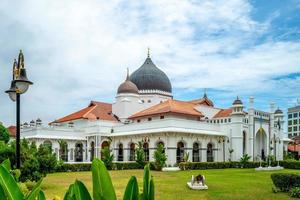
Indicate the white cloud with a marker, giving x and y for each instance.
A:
(77, 51)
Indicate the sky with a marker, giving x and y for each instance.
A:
(78, 51)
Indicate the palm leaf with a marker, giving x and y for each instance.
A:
(146, 185)
(80, 191)
(102, 186)
(9, 185)
(41, 195)
(6, 164)
(132, 190)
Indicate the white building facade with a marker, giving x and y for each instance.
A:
(144, 110)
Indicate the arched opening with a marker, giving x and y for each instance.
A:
(196, 152)
(146, 150)
(244, 142)
(180, 152)
(209, 153)
(48, 144)
(63, 150)
(78, 152)
(92, 150)
(261, 144)
(162, 144)
(132, 152)
(104, 144)
(120, 152)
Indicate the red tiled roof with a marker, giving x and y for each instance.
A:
(294, 148)
(12, 131)
(202, 101)
(170, 106)
(223, 113)
(95, 110)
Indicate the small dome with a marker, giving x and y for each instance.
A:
(237, 102)
(38, 120)
(150, 77)
(278, 111)
(128, 87)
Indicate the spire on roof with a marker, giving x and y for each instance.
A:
(148, 54)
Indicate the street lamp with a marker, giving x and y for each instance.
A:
(19, 85)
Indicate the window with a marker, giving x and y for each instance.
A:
(290, 129)
(149, 119)
(290, 122)
(295, 121)
(295, 128)
(295, 115)
(290, 116)
(149, 101)
(229, 120)
(225, 120)
(218, 121)
(290, 135)
(221, 120)
(138, 121)
(295, 134)
(143, 101)
(162, 117)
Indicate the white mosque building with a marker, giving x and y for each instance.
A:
(144, 110)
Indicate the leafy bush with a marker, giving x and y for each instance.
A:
(295, 192)
(47, 160)
(140, 154)
(218, 165)
(284, 182)
(245, 159)
(4, 134)
(107, 158)
(160, 157)
(290, 164)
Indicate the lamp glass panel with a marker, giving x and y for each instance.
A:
(22, 86)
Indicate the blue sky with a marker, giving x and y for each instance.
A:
(78, 51)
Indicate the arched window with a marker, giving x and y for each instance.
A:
(120, 152)
(146, 151)
(196, 152)
(180, 152)
(244, 143)
(92, 150)
(48, 144)
(78, 152)
(209, 153)
(132, 152)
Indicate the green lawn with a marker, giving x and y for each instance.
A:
(224, 184)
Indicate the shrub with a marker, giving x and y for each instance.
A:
(218, 165)
(245, 159)
(107, 158)
(290, 164)
(4, 134)
(46, 159)
(140, 154)
(285, 182)
(160, 157)
(295, 192)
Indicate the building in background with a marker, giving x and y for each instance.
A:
(293, 121)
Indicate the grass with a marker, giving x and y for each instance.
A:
(223, 184)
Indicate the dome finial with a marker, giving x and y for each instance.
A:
(205, 94)
(148, 54)
(127, 76)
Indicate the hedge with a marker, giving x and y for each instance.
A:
(235, 164)
(285, 182)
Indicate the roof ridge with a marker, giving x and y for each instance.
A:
(88, 112)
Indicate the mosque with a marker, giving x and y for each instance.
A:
(144, 110)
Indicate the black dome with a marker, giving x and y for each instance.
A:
(149, 77)
(278, 111)
(237, 102)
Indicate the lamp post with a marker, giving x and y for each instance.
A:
(19, 85)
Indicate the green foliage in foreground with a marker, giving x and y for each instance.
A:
(4, 134)
(102, 186)
(160, 157)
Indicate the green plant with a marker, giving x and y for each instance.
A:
(103, 188)
(186, 157)
(47, 160)
(140, 154)
(230, 153)
(284, 182)
(245, 159)
(107, 158)
(160, 157)
(4, 134)
(9, 188)
(295, 192)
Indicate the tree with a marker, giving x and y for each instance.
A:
(140, 154)
(4, 134)
(107, 157)
(160, 157)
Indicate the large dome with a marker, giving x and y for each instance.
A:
(149, 77)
